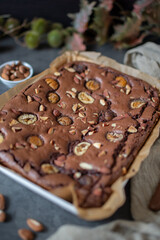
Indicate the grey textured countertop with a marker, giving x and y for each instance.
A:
(21, 202)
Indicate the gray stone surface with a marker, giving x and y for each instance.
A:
(22, 203)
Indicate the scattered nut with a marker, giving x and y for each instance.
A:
(132, 129)
(13, 122)
(92, 85)
(2, 202)
(27, 167)
(77, 175)
(41, 108)
(53, 97)
(71, 94)
(85, 98)
(57, 74)
(77, 107)
(109, 115)
(2, 216)
(35, 225)
(102, 153)
(52, 83)
(1, 138)
(51, 130)
(137, 103)
(43, 118)
(48, 168)
(114, 137)
(72, 131)
(56, 113)
(64, 121)
(27, 118)
(81, 148)
(16, 129)
(97, 145)
(84, 132)
(86, 166)
(121, 82)
(36, 91)
(25, 234)
(102, 102)
(128, 89)
(70, 69)
(29, 99)
(35, 141)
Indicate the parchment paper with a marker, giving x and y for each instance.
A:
(118, 196)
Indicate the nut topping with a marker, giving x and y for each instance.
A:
(13, 122)
(137, 103)
(29, 99)
(41, 108)
(132, 129)
(48, 168)
(85, 98)
(71, 94)
(86, 166)
(57, 74)
(16, 129)
(64, 121)
(81, 148)
(1, 138)
(35, 141)
(114, 137)
(121, 82)
(97, 145)
(92, 85)
(102, 102)
(53, 97)
(27, 118)
(52, 83)
(128, 89)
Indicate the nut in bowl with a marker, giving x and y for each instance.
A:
(14, 72)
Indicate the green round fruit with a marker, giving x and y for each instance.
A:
(11, 23)
(39, 25)
(32, 39)
(55, 38)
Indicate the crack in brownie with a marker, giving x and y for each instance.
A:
(84, 125)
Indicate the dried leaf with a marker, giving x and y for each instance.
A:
(139, 6)
(75, 43)
(129, 30)
(131, 42)
(81, 19)
(108, 4)
(101, 23)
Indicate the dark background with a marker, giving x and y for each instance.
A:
(55, 10)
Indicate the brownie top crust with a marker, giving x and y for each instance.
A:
(84, 125)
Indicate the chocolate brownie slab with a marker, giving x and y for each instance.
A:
(82, 125)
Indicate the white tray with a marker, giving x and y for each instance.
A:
(39, 190)
(42, 192)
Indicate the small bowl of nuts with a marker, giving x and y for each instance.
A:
(14, 72)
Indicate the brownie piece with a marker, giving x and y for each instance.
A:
(82, 125)
(154, 204)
